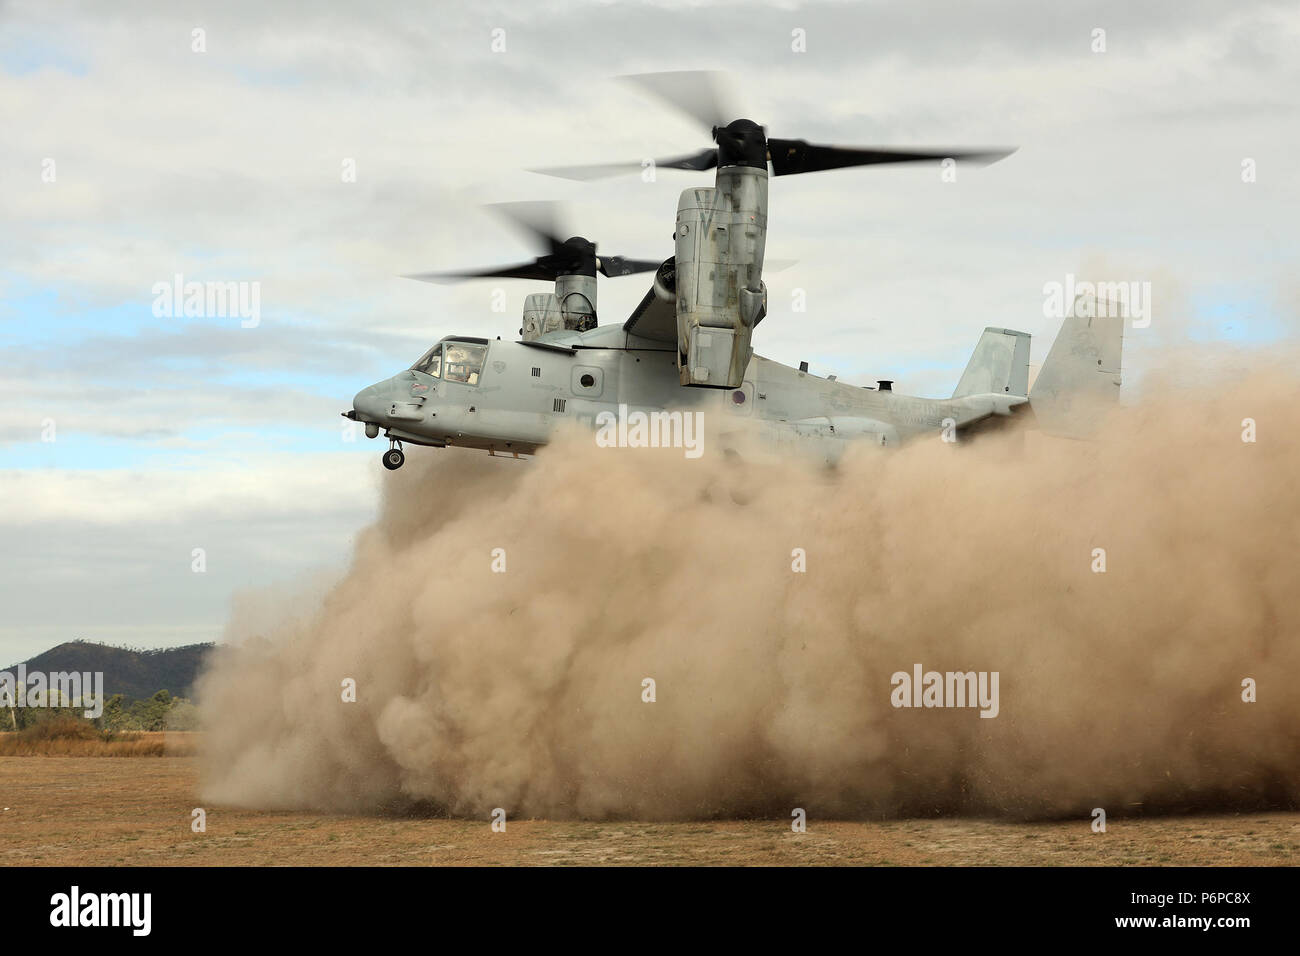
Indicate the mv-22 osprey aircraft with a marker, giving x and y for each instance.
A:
(687, 344)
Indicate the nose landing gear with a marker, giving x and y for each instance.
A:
(393, 458)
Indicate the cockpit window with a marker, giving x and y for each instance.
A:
(463, 362)
(431, 362)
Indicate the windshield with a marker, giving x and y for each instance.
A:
(431, 362)
(463, 362)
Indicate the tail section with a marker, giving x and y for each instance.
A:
(999, 365)
(1080, 380)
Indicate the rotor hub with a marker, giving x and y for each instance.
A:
(741, 142)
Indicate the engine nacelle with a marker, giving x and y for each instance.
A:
(576, 295)
(721, 236)
(665, 284)
(541, 315)
(570, 307)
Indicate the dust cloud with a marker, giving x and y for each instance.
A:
(523, 690)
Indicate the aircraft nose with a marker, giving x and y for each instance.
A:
(371, 404)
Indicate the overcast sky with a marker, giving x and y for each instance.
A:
(128, 157)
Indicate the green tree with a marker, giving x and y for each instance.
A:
(154, 715)
(114, 718)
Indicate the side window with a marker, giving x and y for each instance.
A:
(741, 400)
(463, 362)
(587, 380)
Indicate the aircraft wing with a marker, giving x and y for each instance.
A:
(653, 319)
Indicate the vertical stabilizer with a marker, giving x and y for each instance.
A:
(998, 366)
(1079, 382)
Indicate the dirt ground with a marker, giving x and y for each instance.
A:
(89, 811)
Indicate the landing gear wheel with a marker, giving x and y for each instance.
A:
(393, 459)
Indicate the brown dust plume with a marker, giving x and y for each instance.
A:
(524, 689)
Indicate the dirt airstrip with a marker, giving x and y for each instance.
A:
(93, 811)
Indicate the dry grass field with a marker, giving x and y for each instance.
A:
(143, 744)
(86, 811)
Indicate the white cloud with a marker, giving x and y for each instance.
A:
(227, 165)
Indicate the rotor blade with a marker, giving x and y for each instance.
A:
(704, 159)
(524, 270)
(791, 156)
(540, 219)
(615, 266)
(703, 95)
(584, 173)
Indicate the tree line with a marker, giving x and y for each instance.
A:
(121, 714)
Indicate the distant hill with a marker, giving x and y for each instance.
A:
(135, 674)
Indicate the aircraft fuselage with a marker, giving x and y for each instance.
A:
(524, 391)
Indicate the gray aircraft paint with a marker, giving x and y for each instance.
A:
(526, 390)
(687, 344)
